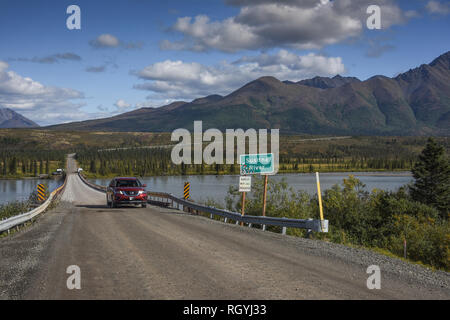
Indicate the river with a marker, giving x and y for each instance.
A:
(216, 187)
(21, 189)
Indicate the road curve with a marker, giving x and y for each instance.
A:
(155, 253)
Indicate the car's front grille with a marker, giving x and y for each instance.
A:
(131, 193)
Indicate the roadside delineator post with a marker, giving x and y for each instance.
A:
(41, 194)
(187, 187)
(319, 194)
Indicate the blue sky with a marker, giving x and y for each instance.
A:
(143, 53)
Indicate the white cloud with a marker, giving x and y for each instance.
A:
(300, 24)
(105, 41)
(188, 80)
(3, 66)
(436, 7)
(122, 105)
(43, 104)
(154, 103)
(54, 58)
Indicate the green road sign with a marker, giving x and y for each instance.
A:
(257, 163)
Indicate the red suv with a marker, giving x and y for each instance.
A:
(126, 191)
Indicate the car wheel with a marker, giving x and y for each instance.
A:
(113, 204)
(144, 205)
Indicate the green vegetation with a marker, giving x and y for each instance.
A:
(116, 153)
(13, 208)
(432, 175)
(297, 155)
(19, 164)
(379, 220)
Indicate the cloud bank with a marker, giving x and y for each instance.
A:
(189, 80)
(299, 24)
(43, 104)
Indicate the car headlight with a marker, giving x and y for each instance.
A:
(140, 192)
(120, 192)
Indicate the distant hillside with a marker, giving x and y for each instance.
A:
(11, 119)
(416, 102)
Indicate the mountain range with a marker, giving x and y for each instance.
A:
(416, 102)
(11, 119)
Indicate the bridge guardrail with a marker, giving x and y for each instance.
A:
(308, 224)
(92, 185)
(27, 216)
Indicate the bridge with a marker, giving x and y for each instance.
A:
(164, 253)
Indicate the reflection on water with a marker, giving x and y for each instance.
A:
(216, 187)
(20, 190)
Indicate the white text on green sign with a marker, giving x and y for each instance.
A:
(257, 163)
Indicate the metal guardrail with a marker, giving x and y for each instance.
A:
(310, 224)
(92, 185)
(27, 216)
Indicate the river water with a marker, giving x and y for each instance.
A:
(20, 190)
(216, 187)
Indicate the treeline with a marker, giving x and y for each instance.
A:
(324, 164)
(157, 161)
(142, 162)
(139, 162)
(356, 154)
(29, 163)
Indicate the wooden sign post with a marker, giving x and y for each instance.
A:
(245, 184)
(266, 177)
(243, 207)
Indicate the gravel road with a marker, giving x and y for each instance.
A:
(156, 253)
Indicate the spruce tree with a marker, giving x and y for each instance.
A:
(92, 167)
(432, 178)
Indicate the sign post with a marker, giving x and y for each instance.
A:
(266, 177)
(258, 164)
(243, 207)
(319, 194)
(245, 185)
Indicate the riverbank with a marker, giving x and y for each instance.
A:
(19, 177)
(381, 173)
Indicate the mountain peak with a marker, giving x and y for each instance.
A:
(11, 119)
(269, 80)
(443, 61)
(327, 83)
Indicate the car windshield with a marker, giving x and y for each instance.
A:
(128, 183)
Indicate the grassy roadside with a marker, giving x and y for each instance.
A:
(14, 208)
